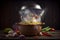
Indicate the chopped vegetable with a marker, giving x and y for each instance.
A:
(46, 29)
(6, 30)
(52, 29)
(46, 34)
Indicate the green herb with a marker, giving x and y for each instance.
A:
(46, 29)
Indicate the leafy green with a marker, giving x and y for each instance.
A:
(6, 30)
(46, 29)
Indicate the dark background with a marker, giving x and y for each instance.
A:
(9, 12)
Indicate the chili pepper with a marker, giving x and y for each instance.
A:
(46, 34)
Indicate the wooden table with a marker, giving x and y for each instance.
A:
(56, 35)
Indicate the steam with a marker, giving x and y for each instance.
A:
(27, 15)
(42, 13)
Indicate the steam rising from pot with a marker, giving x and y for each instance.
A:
(31, 14)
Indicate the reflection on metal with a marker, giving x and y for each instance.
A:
(37, 6)
(23, 7)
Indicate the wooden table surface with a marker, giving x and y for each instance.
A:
(55, 35)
